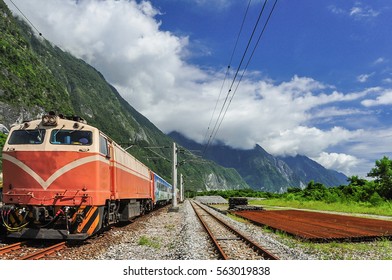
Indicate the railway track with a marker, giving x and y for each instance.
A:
(230, 243)
(23, 251)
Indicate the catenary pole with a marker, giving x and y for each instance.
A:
(174, 201)
(181, 188)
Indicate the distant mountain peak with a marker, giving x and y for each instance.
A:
(263, 171)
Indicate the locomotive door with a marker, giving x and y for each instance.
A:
(113, 193)
(106, 150)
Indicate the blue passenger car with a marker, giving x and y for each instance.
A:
(163, 191)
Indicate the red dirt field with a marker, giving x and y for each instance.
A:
(320, 227)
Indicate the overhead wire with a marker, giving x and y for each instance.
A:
(247, 64)
(214, 131)
(32, 25)
(227, 70)
(219, 119)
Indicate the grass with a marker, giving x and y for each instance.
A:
(378, 249)
(384, 209)
(146, 241)
(237, 218)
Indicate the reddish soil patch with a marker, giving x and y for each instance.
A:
(320, 227)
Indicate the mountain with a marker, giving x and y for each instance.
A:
(36, 77)
(307, 170)
(263, 171)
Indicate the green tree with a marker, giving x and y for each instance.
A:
(356, 181)
(383, 176)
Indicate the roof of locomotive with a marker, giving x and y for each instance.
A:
(54, 121)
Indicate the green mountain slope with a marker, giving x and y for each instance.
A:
(36, 77)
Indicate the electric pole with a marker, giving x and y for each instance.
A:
(174, 200)
(181, 188)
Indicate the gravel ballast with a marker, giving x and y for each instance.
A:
(178, 235)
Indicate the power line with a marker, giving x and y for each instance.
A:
(219, 120)
(32, 25)
(227, 71)
(247, 64)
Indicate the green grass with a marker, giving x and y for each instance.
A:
(150, 242)
(237, 218)
(384, 209)
(379, 249)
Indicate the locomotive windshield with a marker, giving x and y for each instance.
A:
(27, 136)
(71, 137)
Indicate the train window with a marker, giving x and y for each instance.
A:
(27, 136)
(103, 146)
(71, 137)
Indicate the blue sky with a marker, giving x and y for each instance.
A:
(319, 83)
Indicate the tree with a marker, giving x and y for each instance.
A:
(383, 176)
(356, 181)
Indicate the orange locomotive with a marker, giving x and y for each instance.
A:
(65, 179)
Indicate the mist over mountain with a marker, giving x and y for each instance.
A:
(263, 171)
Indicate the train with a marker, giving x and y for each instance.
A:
(64, 179)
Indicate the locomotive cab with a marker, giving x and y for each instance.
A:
(52, 170)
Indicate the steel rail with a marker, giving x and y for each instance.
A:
(257, 248)
(213, 239)
(45, 252)
(12, 247)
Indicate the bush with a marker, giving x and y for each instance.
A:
(376, 199)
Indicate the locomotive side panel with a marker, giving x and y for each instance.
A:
(132, 178)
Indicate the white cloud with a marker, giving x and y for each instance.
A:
(364, 77)
(336, 10)
(307, 140)
(385, 98)
(338, 161)
(387, 80)
(331, 112)
(360, 12)
(380, 60)
(357, 12)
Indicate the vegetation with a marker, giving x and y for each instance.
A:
(150, 242)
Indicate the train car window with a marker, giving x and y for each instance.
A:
(71, 137)
(103, 146)
(27, 136)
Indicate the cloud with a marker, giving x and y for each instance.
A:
(380, 60)
(387, 80)
(364, 77)
(385, 98)
(307, 140)
(336, 10)
(357, 12)
(338, 161)
(361, 12)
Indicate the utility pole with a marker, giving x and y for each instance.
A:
(181, 188)
(174, 200)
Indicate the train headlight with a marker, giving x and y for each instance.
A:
(50, 120)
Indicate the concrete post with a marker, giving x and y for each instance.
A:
(174, 200)
(181, 188)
